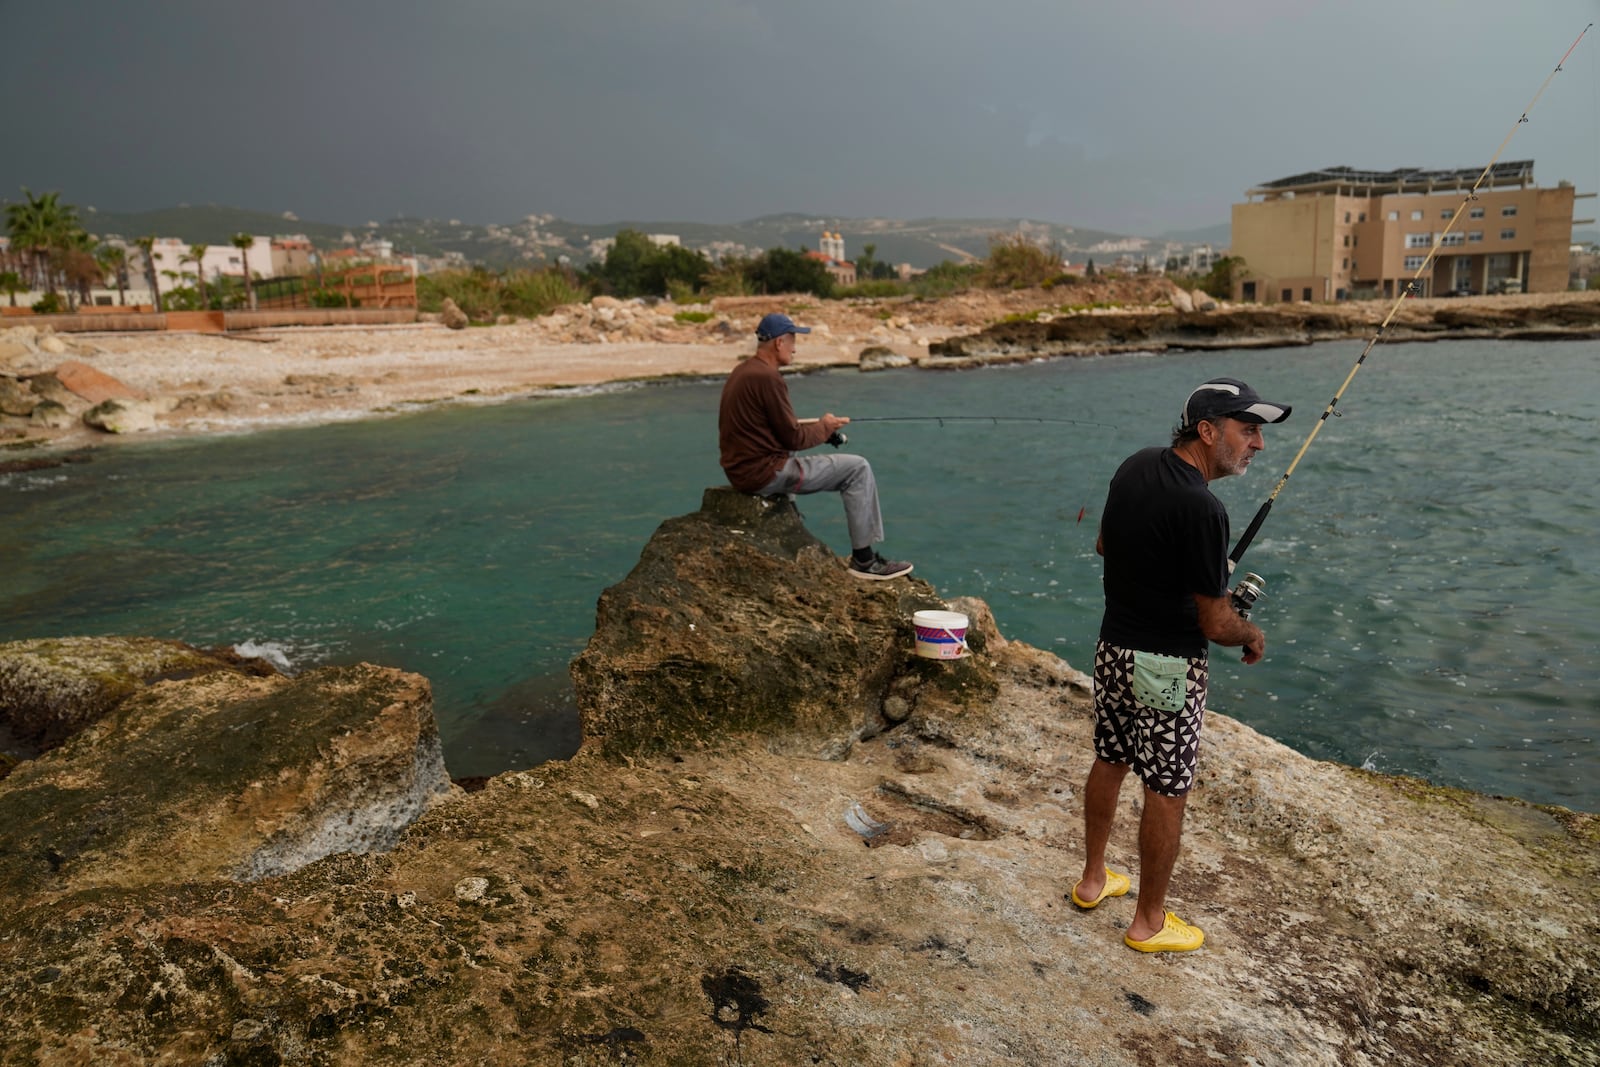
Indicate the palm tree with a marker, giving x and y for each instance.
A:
(39, 225)
(243, 241)
(114, 258)
(196, 254)
(147, 245)
(11, 282)
(79, 266)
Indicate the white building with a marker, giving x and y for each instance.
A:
(172, 261)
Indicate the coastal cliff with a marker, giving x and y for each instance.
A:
(786, 840)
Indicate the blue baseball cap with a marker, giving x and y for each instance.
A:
(776, 325)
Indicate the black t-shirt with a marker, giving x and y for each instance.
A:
(1166, 539)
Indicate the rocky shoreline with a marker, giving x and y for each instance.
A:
(67, 392)
(695, 886)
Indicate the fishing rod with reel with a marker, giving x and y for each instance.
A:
(1250, 586)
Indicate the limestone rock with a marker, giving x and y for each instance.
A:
(451, 315)
(735, 900)
(52, 688)
(16, 398)
(1202, 300)
(51, 415)
(1180, 299)
(761, 630)
(52, 344)
(93, 385)
(124, 416)
(49, 387)
(878, 357)
(223, 776)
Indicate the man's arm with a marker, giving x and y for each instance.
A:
(1220, 623)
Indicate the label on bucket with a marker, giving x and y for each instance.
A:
(940, 634)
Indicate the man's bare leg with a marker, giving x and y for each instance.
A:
(1099, 812)
(1160, 830)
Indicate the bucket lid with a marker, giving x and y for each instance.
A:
(950, 619)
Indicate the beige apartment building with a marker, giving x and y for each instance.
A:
(1341, 233)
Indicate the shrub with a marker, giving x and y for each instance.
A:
(331, 298)
(944, 279)
(692, 316)
(729, 280)
(48, 304)
(538, 292)
(1016, 262)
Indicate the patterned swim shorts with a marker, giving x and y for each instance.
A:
(1160, 745)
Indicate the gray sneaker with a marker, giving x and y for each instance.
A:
(879, 570)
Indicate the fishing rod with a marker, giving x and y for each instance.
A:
(1250, 585)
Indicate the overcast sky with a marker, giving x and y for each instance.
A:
(1136, 116)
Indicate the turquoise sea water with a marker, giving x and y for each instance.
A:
(1432, 571)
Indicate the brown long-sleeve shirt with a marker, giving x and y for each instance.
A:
(756, 427)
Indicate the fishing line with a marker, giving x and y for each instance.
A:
(942, 419)
(1411, 288)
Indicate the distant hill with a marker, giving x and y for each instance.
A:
(1219, 236)
(538, 240)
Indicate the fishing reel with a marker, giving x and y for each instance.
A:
(837, 439)
(1246, 593)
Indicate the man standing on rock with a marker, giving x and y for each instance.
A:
(1164, 537)
(758, 434)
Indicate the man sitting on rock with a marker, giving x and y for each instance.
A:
(758, 434)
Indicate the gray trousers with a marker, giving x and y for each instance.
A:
(850, 476)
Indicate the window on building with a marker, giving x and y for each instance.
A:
(1346, 262)
(1347, 240)
(1415, 262)
(1474, 236)
(1361, 217)
(1288, 295)
(1416, 216)
(1508, 235)
(1419, 240)
(1475, 213)
(1508, 211)
(1447, 214)
(1394, 216)
(1451, 239)
(1305, 294)
(1347, 216)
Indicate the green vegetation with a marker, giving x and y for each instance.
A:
(1218, 281)
(1017, 262)
(485, 295)
(1061, 309)
(637, 266)
(695, 317)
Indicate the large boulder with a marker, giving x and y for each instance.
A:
(52, 688)
(16, 398)
(452, 316)
(222, 775)
(737, 620)
(118, 415)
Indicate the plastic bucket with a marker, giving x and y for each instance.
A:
(940, 634)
